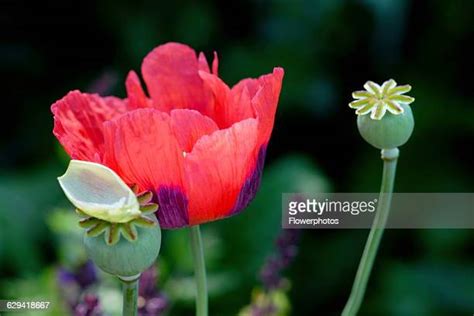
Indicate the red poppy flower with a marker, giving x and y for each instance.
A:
(196, 143)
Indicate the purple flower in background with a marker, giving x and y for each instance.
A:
(272, 299)
(151, 302)
(264, 310)
(88, 306)
(85, 275)
(287, 249)
(73, 286)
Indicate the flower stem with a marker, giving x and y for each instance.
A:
(389, 157)
(130, 297)
(199, 271)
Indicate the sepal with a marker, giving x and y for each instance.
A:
(114, 231)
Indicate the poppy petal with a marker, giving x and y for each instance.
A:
(189, 126)
(141, 147)
(251, 184)
(234, 105)
(135, 94)
(265, 102)
(217, 168)
(171, 75)
(239, 106)
(203, 65)
(78, 119)
(255, 98)
(220, 93)
(215, 65)
(251, 84)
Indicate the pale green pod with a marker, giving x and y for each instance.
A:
(125, 258)
(391, 131)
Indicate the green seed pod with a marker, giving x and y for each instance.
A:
(384, 118)
(109, 210)
(390, 131)
(125, 258)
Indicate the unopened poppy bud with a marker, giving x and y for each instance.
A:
(390, 123)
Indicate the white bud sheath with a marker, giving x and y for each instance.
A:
(99, 192)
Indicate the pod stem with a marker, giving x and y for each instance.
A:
(389, 157)
(130, 296)
(199, 271)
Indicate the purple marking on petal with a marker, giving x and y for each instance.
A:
(251, 185)
(173, 211)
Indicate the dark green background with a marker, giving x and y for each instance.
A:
(328, 49)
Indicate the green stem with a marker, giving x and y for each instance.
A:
(199, 271)
(130, 297)
(389, 157)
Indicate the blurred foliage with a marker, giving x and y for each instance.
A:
(328, 49)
